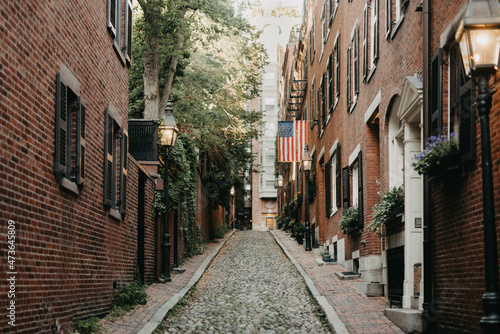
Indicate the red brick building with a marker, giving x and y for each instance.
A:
(78, 203)
(382, 77)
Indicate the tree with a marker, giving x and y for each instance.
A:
(164, 30)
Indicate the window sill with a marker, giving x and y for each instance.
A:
(115, 214)
(372, 70)
(396, 27)
(333, 212)
(353, 105)
(69, 186)
(118, 52)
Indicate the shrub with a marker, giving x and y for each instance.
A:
(299, 229)
(220, 232)
(89, 326)
(349, 218)
(383, 209)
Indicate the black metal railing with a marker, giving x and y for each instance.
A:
(143, 139)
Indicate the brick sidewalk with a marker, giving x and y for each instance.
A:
(359, 313)
(158, 294)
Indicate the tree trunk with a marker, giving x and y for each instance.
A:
(151, 86)
(172, 68)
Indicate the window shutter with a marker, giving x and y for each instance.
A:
(328, 188)
(331, 10)
(346, 188)
(330, 82)
(324, 93)
(436, 93)
(80, 142)
(61, 135)
(360, 191)
(108, 159)
(356, 60)
(318, 105)
(375, 31)
(123, 172)
(349, 88)
(365, 42)
(388, 18)
(112, 16)
(338, 183)
(128, 30)
(337, 68)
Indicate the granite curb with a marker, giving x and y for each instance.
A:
(331, 315)
(163, 310)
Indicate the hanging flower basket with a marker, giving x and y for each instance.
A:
(349, 222)
(439, 155)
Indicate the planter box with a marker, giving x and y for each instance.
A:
(396, 217)
(448, 170)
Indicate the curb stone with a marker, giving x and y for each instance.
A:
(331, 315)
(163, 310)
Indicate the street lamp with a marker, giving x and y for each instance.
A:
(306, 164)
(168, 135)
(280, 186)
(479, 38)
(232, 207)
(280, 181)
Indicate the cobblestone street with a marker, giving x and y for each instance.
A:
(251, 287)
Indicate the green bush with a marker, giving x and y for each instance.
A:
(299, 229)
(349, 219)
(131, 295)
(382, 210)
(220, 232)
(89, 326)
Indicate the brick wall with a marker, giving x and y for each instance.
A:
(69, 251)
(457, 213)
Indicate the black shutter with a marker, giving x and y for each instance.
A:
(388, 18)
(349, 71)
(436, 93)
(112, 16)
(80, 142)
(128, 30)
(338, 176)
(356, 60)
(123, 172)
(346, 188)
(108, 160)
(361, 219)
(61, 130)
(337, 68)
(328, 188)
(330, 82)
(375, 31)
(365, 42)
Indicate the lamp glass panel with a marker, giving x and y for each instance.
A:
(307, 164)
(485, 47)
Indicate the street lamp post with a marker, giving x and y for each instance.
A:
(479, 38)
(168, 134)
(306, 164)
(232, 192)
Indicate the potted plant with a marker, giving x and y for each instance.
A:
(440, 155)
(279, 222)
(326, 256)
(388, 210)
(349, 220)
(299, 231)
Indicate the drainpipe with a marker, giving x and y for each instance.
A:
(427, 315)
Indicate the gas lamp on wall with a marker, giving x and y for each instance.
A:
(479, 38)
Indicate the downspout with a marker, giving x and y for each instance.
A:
(428, 316)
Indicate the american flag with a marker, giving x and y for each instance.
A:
(292, 138)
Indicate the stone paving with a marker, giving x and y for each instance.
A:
(359, 313)
(158, 294)
(251, 287)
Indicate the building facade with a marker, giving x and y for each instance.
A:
(75, 207)
(383, 77)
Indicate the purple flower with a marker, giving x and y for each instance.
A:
(452, 135)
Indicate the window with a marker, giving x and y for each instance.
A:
(333, 5)
(270, 154)
(394, 15)
(115, 13)
(325, 26)
(313, 105)
(115, 164)
(69, 157)
(127, 47)
(323, 94)
(370, 38)
(463, 111)
(312, 40)
(356, 168)
(269, 79)
(353, 70)
(333, 68)
(332, 183)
